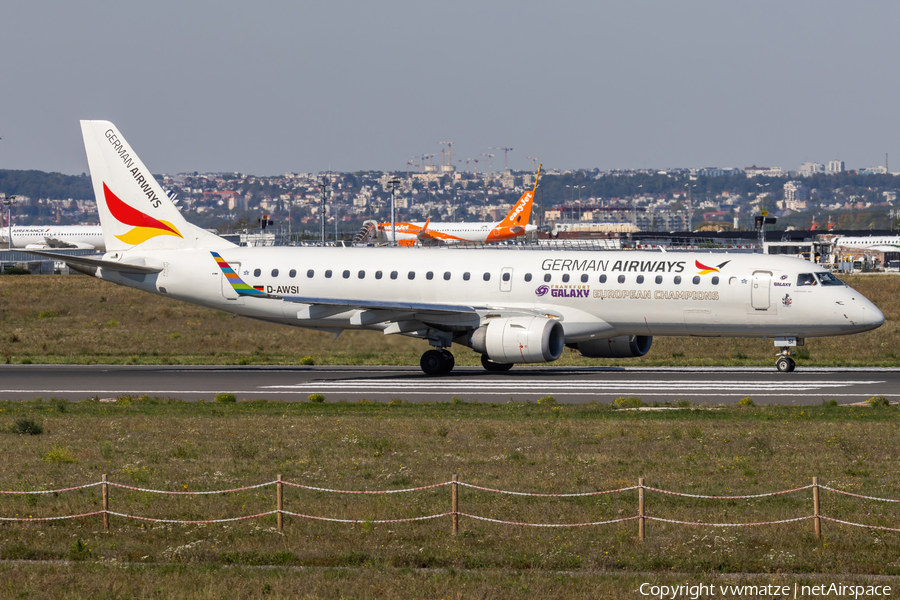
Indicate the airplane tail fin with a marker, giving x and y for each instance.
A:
(134, 209)
(520, 214)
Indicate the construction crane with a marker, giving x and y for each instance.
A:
(449, 154)
(409, 162)
(506, 152)
(475, 160)
(490, 162)
(535, 159)
(467, 161)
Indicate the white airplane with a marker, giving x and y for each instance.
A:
(512, 306)
(83, 237)
(513, 225)
(881, 243)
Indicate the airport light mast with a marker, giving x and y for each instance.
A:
(9, 201)
(393, 184)
(323, 186)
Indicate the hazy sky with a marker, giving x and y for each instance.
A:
(274, 86)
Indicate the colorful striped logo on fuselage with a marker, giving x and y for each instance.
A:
(236, 282)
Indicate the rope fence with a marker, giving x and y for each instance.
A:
(641, 517)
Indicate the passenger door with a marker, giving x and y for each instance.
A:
(759, 292)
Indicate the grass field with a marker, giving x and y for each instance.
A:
(78, 319)
(536, 447)
(530, 446)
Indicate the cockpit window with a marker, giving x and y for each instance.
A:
(806, 279)
(826, 278)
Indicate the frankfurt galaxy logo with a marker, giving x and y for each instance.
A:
(542, 290)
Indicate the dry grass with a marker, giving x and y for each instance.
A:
(76, 319)
(526, 447)
(93, 580)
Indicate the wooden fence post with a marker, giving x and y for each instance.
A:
(641, 508)
(279, 495)
(105, 490)
(817, 522)
(454, 503)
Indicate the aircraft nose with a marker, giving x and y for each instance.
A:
(872, 316)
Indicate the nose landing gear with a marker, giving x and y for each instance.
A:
(784, 363)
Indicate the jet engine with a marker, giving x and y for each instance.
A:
(623, 346)
(520, 340)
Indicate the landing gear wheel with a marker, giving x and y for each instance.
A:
(496, 367)
(451, 362)
(434, 362)
(785, 364)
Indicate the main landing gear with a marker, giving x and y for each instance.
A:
(437, 362)
(784, 363)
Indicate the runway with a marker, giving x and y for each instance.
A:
(707, 385)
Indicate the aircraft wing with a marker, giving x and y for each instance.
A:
(418, 307)
(84, 261)
(377, 311)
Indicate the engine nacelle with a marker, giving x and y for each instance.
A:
(520, 340)
(623, 346)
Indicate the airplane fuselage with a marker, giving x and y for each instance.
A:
(87, 237)
(592, 294)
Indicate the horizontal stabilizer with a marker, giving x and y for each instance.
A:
(110, 265)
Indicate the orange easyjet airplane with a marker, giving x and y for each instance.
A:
(514, 224)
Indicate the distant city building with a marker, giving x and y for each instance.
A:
(794, 190)
(755, 171)
(808, 169)
(835, 166)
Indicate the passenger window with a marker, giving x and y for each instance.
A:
(328, 274)
(378, 274)
(659, 279)
(292, 273)
(393, 274)
(310, 273)
(429, 275)
(527, 276)
(715, 281)
(257, 272)
(446, 275)
(621, 279)
(584, 278)
(678, 280)
(696, 280)
(274, 272)
(346, 274)
(640, 279)
(411, 275)
(466, 276)
(487, 276)
(566, 278)
(361, 274)
(603, 278)
(805, 279)
(506, 277)
(547, 278)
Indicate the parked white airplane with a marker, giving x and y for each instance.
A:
(512, 306)
(84, 237)
(881, 243)
(513, 225)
